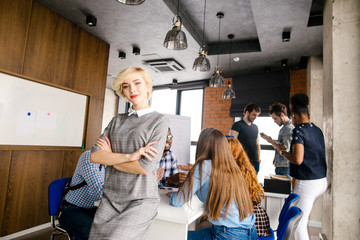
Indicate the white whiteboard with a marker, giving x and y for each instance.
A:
(36, 114)
(180, 128)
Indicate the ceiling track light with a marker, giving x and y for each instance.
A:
(284, 62)
(136, 51)
(202, 63)
(91, 20)
(131, 2)
(286, 36)
(175, 38)
(217, 80)
(122, 55)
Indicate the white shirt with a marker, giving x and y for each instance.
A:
(140, 112)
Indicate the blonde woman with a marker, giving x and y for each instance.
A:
(217, 181)
(262, 222)
(130, 193)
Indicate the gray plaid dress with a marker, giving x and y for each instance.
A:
(129, 202)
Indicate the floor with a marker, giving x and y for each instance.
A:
(45, 235)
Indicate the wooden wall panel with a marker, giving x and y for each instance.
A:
(51, 47)
(90, 73)
(91, 60)
(36, 42)
(14, 18)
(31, 172)
(5, 157)
(70, 161)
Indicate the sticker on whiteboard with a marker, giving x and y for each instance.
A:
(26, 124)
(45, 120)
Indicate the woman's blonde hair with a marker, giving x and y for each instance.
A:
(125, 74)
(226, 182)
(247, 169)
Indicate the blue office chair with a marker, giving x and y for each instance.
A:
(292, 198)
(287, 229)
(56, 190)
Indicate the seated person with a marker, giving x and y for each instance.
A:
(168, 163)
(78, 208)
(262, 222)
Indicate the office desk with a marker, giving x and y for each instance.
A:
(174, 222)
(273, 205)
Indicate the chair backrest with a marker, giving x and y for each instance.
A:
(56, 189)
(287, 229)
(292, 198)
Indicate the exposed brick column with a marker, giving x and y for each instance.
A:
(216, 112)
(298, 81)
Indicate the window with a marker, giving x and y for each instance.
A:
(269, 127)
(192, 106)
(185, 103)
(164, 101)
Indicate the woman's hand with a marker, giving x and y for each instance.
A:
(160, 173)
(144, 151)
(104, 144)
(185, 167)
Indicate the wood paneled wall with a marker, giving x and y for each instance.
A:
(38, 43)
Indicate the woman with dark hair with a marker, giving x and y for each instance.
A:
(307, 160)
(217, 181)
(262, 221)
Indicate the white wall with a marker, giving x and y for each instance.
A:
(109, 107)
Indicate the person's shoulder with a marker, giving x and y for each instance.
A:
(160, 117)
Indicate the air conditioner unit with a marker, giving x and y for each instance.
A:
(165, 65)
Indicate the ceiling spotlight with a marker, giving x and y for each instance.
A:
(174, 81)
(284, 62)
(131, 2)
(122, 55)
(236, 59)
(91, 20)
(136, 50)
(286, 36)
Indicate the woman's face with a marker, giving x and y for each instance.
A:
(136, 91)
(296, 119)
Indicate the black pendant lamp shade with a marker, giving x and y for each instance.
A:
(131, 2)
(217, 80)
(229, 92)
(175, 38)
(202, 63)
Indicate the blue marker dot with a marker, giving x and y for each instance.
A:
(29, 113)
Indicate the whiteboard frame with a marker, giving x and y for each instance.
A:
(85, 105)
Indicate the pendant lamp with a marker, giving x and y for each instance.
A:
(131, 2)
(217, 80)
(229, 92)
(202, 63)
(175, 38)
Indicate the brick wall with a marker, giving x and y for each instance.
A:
(216, 111)
(298, 82)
